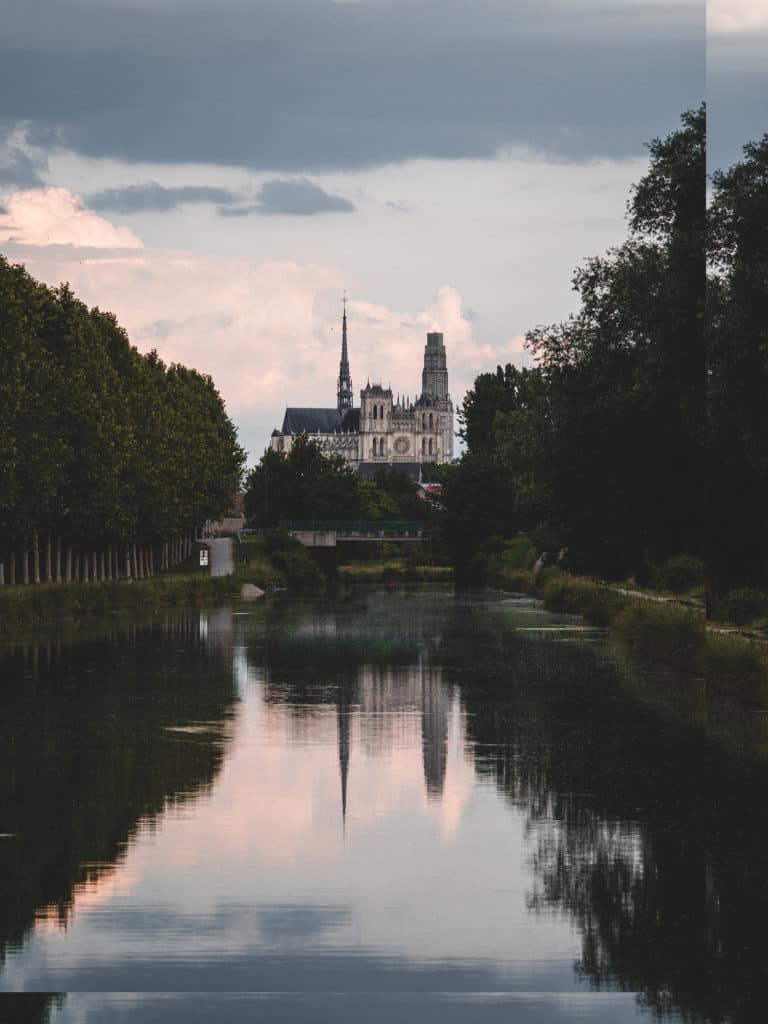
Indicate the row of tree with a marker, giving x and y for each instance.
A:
(307, 484)
(641, 431)
(108, 458)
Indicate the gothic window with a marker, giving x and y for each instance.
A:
(431, 427)
(423, 446)
(383, 446)
(430, 443)
(375, 411)
(381, 412)
(424, 421)
(375, 442)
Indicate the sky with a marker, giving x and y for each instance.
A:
(218, 175)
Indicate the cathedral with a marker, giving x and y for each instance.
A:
(381, 432)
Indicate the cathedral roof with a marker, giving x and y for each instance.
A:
(320, 421)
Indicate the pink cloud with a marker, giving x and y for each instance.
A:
(268, 331)
(54, 216)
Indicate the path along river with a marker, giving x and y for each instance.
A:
(391, 805)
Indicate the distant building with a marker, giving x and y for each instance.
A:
(382, 431)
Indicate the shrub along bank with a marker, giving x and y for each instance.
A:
(666, 633)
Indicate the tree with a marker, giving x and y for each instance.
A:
(304, 484)
(737, 373)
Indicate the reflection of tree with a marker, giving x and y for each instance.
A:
(650, 837)
(88, 751)
(28, 1007)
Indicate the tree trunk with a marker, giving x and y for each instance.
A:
(12, 569)
(2, 574)
(68, 564)
(86, 574)
(36, 557)
(58, 559)
(128, 562)
(25, 566)
(48, 559)
(109, 563)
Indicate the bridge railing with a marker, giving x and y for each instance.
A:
(360, 527)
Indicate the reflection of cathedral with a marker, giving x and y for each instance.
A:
(397, 708)
(383, 431)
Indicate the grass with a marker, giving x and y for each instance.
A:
(392, 571)
(44, 602)
(272, 562)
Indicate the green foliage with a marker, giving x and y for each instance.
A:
(308, 484)
(597, 603)
(742, 606)
(739, 667)
(737, 373)
(664, 633)
(304, 484)
(99, 444)
(292, 559)
(679, 574)
(599, 447)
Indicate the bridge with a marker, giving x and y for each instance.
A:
(316, 533)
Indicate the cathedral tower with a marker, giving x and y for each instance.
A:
(344, 396)
(434, 376)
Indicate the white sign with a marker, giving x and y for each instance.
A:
(203, 556)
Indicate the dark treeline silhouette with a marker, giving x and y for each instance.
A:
(306, 484)
(88, 753)
(108, 458)
(640, 433)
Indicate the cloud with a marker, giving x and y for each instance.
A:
(18, 167)
(737, 93)
(158, 198)
(302, 87)
(54, 216)
(295, 197)
(732, 16)
(267, 331)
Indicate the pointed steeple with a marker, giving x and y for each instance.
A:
(342, 720)
(344, 384)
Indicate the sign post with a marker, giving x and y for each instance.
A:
(203, 556)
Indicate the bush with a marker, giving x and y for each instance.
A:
(679, 574)
(742, 606)
(664, 633)
(546, 574)
(735, 663)
(518, 553)
(598, 604)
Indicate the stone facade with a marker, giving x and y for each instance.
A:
(383, 431)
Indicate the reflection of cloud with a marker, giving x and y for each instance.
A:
(286, 925)
(109, 881)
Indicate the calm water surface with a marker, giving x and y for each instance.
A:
(394, 805)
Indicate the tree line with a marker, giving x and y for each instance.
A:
(307, 484)
(640, 432)
(108, 458)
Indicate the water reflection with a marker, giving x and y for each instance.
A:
(402, 793)
(88, 758)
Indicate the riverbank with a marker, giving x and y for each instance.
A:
(271, 563)
(672, 634)
(394, 571)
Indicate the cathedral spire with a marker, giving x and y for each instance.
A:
(344, 384)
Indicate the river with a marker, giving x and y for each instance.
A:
(387, 805)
